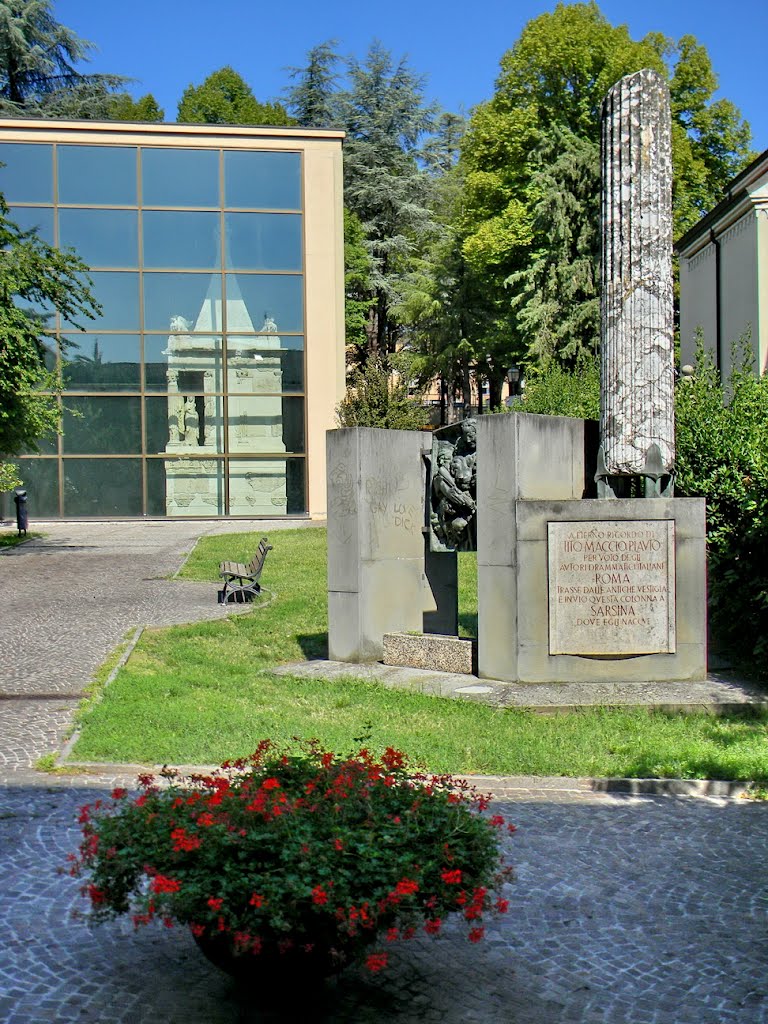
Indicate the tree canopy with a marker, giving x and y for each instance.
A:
(38, 57)
(530, 165)
(34, 278)
(226, 98)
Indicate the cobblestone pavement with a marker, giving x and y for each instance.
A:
(626, 909)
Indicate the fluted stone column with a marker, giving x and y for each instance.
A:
(637, 384)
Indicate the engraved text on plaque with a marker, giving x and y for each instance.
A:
(612, 587)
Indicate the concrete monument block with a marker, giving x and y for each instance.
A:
(637, 320)
(519, 456)
(376, 580)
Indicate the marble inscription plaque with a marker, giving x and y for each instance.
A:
(612, 587)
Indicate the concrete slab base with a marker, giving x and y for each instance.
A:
(717, 693)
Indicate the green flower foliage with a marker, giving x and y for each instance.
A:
(296, 851)
(722, 455)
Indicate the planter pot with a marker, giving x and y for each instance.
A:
(270, 968)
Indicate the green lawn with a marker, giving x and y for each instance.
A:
(203, 693)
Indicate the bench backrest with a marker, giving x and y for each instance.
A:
(257, 562)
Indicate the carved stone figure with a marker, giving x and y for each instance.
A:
(191, 422)
(453, 488)
(180, 323)
(637, 377)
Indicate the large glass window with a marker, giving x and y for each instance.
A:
(185, 424)
(273, 302)
(182, 239)
(108, 362)
(168, 357)
(97, 175)
(102, 238)
(266, 423)
(102, 487)
(185, 487)
(28, 173)
(34, 218)
(182, 303)
(154, 421)
(263, 241)
(266, 181)
(41, 482)
(102, 426)
(118, 295)
(180, 177)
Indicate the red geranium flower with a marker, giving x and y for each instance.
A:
(376, 962)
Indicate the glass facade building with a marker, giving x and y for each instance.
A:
(206, 381)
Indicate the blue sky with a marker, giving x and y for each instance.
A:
(168, 44)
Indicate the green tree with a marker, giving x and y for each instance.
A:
(38, 57)
(226, 98)
(358, 287)
(33, 275)
(530, 158)
(312, 99)
(125, 108)
(385, 118)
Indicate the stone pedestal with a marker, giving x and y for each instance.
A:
(605, 591)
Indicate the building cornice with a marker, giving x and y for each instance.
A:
(740, 198)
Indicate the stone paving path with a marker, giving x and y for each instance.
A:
(626, 909)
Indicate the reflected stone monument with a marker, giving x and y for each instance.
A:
(196, 425)
(572, 587)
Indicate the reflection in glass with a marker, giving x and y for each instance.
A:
(102, 238)
(185, 487)
(97, 175)
(270, 302)
(187, 423)
(41, 482)
(102, 426)
(263, 241)
(118, 294)
(180, 177)
(174, 239)
(182, 303)
(282, 355)
(267, 181)
(268, 423)
(34, 218)
(163, 353)
(28, 173)
(107, 362)
(266, 487)
(102, 487)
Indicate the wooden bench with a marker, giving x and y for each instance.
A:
(241, 582)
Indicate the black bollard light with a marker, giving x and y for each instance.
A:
(22, 516)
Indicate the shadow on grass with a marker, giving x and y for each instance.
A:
(314, 646)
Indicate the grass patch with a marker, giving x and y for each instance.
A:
(12, 539)
(202, 693)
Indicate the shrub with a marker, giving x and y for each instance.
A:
(556, 391)
(378, 398)
(722, 455)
